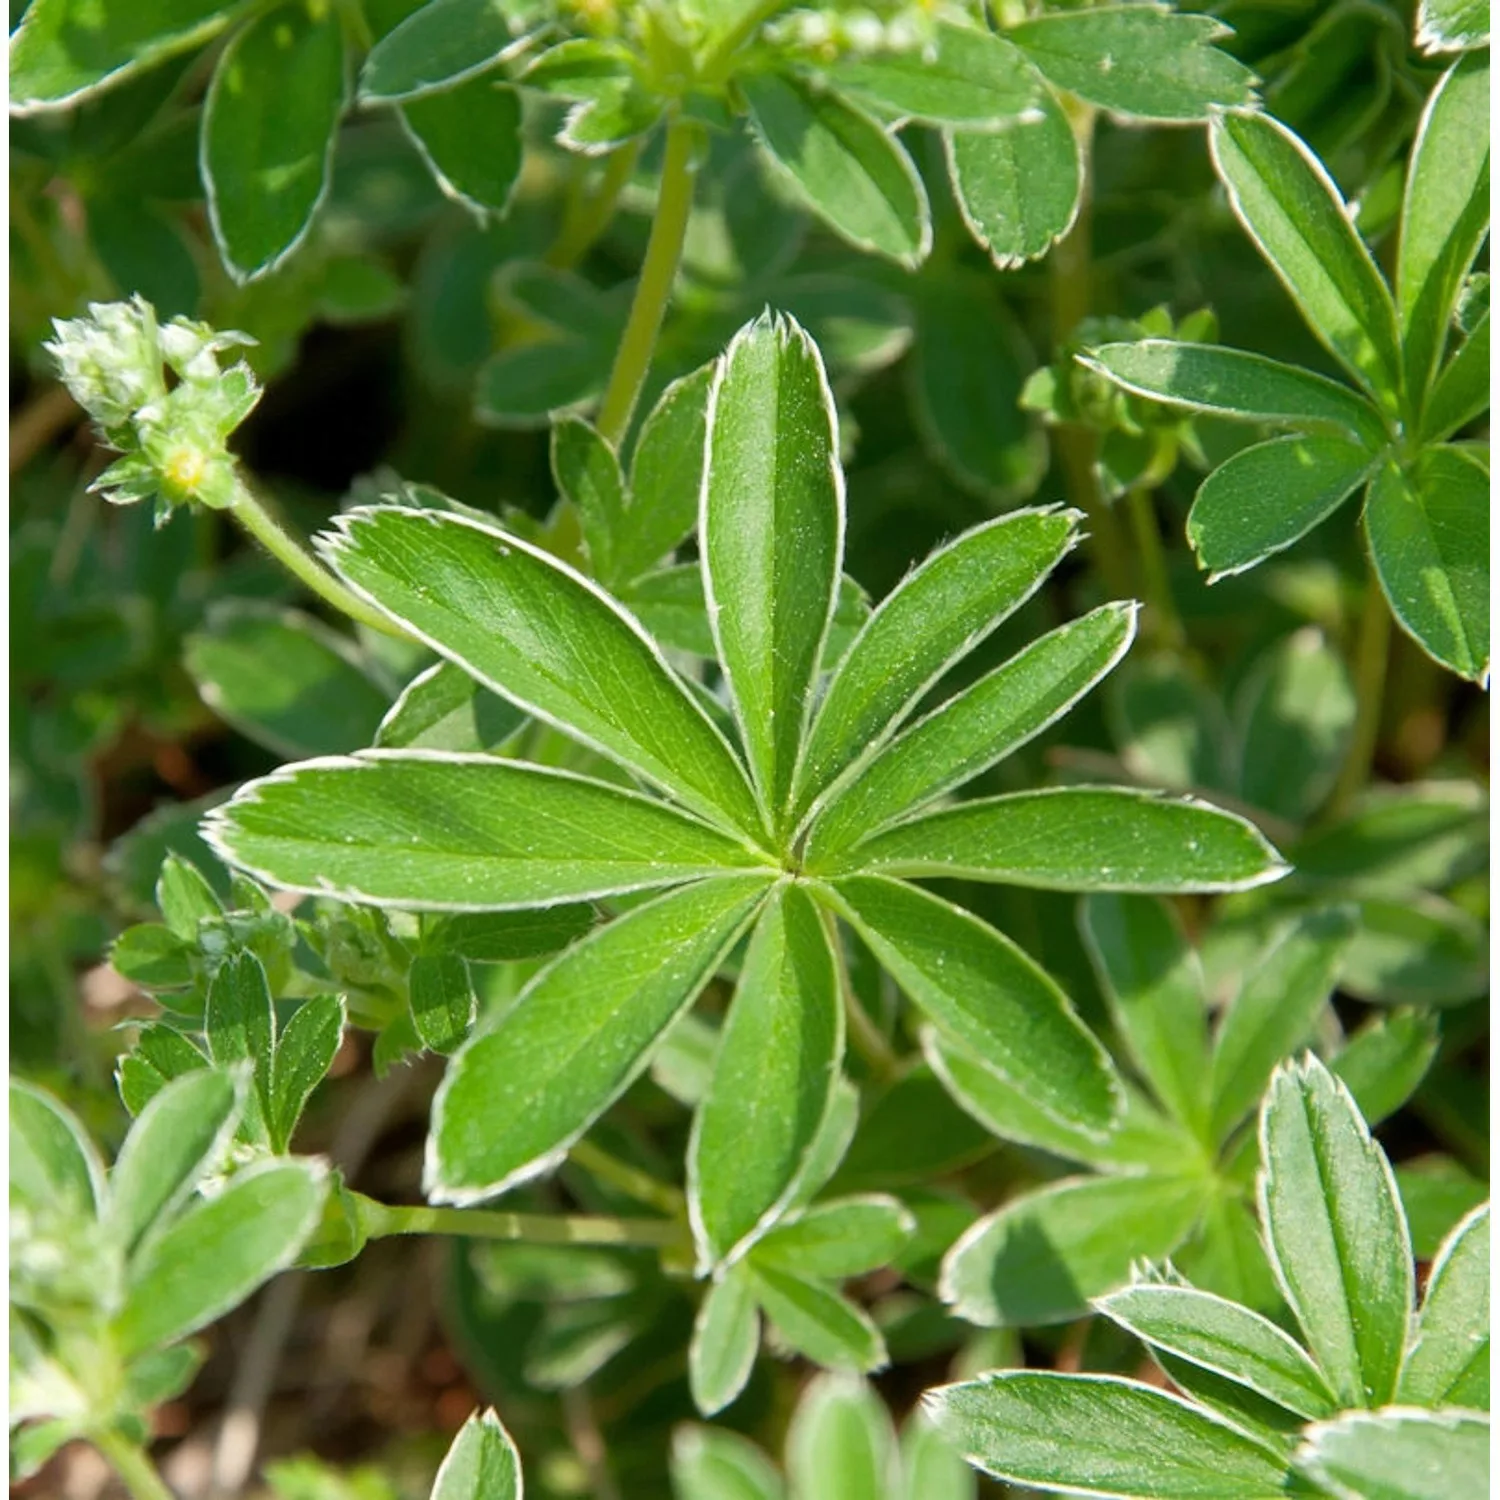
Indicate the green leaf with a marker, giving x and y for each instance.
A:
(1153, 984)
(711, 1463)
(666, 474)
(436, 832)
(934, 1468)
(976, 986)
(239, 1025)
(1046, 1254)
(517, 1096)
(1446, 213)
(1268, 496)
(1101, 1435)
(726, 1337)
(1138, 61)
(1170, 726)
(969, 366)
(772, 537)
(1382, 1064)
(153, 957)
(1018, 189)
(587, 472)
(304, 1053)
(1448, 1363)
(218, 1252)
(53, 1164)
(319, 700)
(1462, 390)
(184, 897)
(1238, 386)
(817, 1322)
(440, 45)
(1290, 207)
(1276, 1010)
(1416, 949)
(1336, 1232)
(932, 619)
(497, 937)
(1436, 1193)
(1223, 1337)
(1429, 535)
(533, 630)
(63, 51)
(470, 138)
(180, 1134)
(847, 170)
(840, 1238)
(965, 75)
(269, 125)
(1400, 1455)
(443, 708)
(481, 1464)
(911, 1133)
(1453, 25)
(161, 1054)
(1075, 839)
(840, 1445)
(774, 1071)
(976, 728)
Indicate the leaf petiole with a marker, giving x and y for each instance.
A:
(130, 1461)
(381, 1220)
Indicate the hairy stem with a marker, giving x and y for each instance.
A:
(654, 289)
(253, 515)
(1371, 650)
(589, 213)
(1163, 622)
(130, 1461)
(631, 1181)
(383, 1219)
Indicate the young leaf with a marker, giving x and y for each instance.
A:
(774, 1071)
(53, 1164)
(239, 1025)
(1075, 839)
(481, 1464)
(319, 701)
(184, 897)
(1290, 207)
(1446, 213)
(841, 1238)
(1276, 1010)
(470, 138)
(1448, 1363)
(965, 76)
(772, 535)
(1138, 61)
(1223, 1337)
(1101, 1435)
(1268, 496)
(161, 1054)
(269, 125)
(61, 53)
(443, 708)
(517, 1096)
(1400, 1455)
(1044, 1255)
(843, 165)
(726, 1337)
(217, 1253)
(818, 1323)
(1453, 25)
(1238, 386)
(587, 472)
(977, 986)
(533, 630)
(437, 46)
(428, 831)
(443, 1005)
(1336, 1232)
(1153, 984)
(304, 1053)
(840, 1445)
(1018, 189)
(711, 1463)
(179, 1135)
(1429, 535)
(934, 617)
(1462, 390)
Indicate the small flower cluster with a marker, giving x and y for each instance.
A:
(158, 395)
(828, 34)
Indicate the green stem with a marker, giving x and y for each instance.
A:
(130, 1462)
(727, 45)
(383, 1219)
(1371, 652)
(631, 1181)
(253, 515)
(658, 272)
(589, 214)
(1165, 625)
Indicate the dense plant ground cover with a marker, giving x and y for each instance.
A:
(749, 749)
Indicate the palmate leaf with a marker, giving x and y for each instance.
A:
(817, 1322)
(1448, 1363)
(712, 1463)
(438, 46)
(1462, 390)
(481, 1464)
(1400, 1455)
(470, 138)
(725, 1341)
(1453, 25)
(841, 1444)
